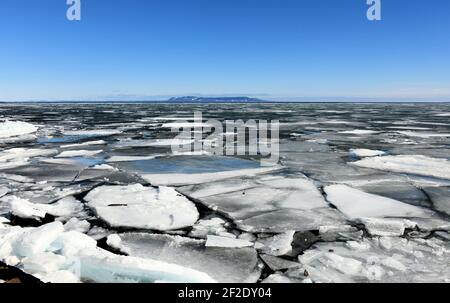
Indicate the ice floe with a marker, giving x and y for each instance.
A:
(362, 152)
(378, 260)
(266, 203)
(227, 265)
(276, 263)
(65, 208)
(92, 133)
(16, 128)
(53, 255)
(278, 245)
(186, 179)
(356, 204)
(136, 206)
(217, 241)
(359, 132)
(78, 153)
(99, 142)
(440, 198)
(386, 220)
(410, 164)
(386, 227)
(23, 209)
(17, 157)
(424, 134)
(214, 226)
(130, 158)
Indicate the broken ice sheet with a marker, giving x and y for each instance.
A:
(277, 245)
(226, 242)
(139, 207)
(440, 198)
(211, 226)
(227, 265)
(413, 164)
(276, 263)
(17, 157)
(267, 203)
(16, 128)
(388, 259)
(47, 193)
(283, 220)
(49, 172)
(362, 152)
(64, 209)
(386, 227)
(243, 198)
(78, 153)
(184, 170)
(54, 255)
(355, 204)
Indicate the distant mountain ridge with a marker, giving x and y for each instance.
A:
(215, 99)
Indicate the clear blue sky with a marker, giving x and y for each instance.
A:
(277, 49)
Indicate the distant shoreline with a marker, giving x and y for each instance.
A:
(197, 102)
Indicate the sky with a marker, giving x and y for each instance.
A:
(291, 50)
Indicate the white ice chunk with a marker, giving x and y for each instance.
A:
(386, 227)
(16, 157)
(43, 263)
(37, 240)
(99, 142)
(186, 125)
(414, 164)
(114, 241)
(130, 158)
(385, 259)
(359, 132)
(356, 204)
(24, 153)
(76, 225)
(278, 245)
(213, 226)
(104, 267)
(186, 179)
(23, 209)
(93, 133)
(72, 243)
(16, 128)
(217, 241)
(227, 265)
(78, 153)
(424, 134)
(136, 206)
(66, 207)
(60, 276)
(361, 152)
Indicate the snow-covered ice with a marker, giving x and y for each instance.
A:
(362, 152)
(16, 128)
(359, 132)
(388, 259)
(136, 206)
(217, 241)
(410, 164)
(78, 153)
(226, 265)
(360, 194)
(187, 179)
(357, 204)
